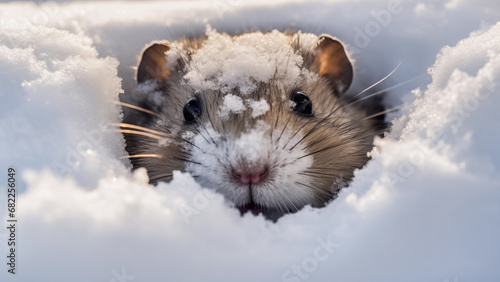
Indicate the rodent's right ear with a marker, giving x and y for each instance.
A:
(153, 63)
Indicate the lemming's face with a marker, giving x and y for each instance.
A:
(258, 118)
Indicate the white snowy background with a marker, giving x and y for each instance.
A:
(425, 208)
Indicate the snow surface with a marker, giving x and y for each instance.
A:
(426, 208)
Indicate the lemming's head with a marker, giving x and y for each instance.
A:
(260, 118)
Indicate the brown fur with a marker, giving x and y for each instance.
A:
(338, 136)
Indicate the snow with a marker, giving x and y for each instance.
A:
(225, 63)
(259, 107)
(231, 104)
(52, 80)
(425, 208)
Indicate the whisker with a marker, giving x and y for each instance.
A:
(315, 126)
(203, 136)
(133, 126)
(320, 150)
(291, 202)
(316, 142)
(309, 172)
(186, 160)
(160, 176)
(336, 166)
(143, 156)
(385, 112)
(136, 108)
(210, 135)
(387, 89)
(296, 132)
(275, 121)
(126, 131)
(308, 133)
(284, 127)
(165, 135)
(326, 192)
(376, 83)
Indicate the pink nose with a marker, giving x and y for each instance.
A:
(253, 178)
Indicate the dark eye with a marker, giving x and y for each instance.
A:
(191, 110)
(303, 104)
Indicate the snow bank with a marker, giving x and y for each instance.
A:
(58, 103)
(426, 208)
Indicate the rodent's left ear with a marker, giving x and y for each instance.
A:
(333, 62)
(153, 63)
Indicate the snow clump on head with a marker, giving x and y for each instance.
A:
(225, 63)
